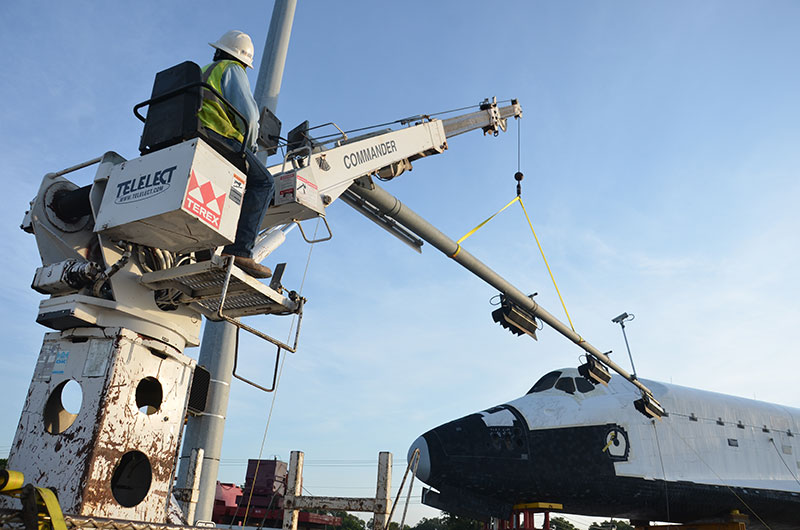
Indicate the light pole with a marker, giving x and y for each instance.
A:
(621, 319)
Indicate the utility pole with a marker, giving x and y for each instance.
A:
(218, 349)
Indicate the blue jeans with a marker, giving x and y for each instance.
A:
(258, 194)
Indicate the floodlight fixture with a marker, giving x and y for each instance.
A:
(622, 318)
(648, 406)
(594, 371)
(515, 319)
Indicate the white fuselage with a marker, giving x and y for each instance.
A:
(706, 438)
(587, 447)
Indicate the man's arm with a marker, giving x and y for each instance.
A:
(236, 89)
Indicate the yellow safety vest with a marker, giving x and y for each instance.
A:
(213, 113)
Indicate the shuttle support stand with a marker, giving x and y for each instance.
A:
(522, 517)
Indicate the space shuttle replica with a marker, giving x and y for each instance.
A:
(582, 444)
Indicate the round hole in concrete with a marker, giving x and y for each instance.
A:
(72, 397)
(131, 479)
(149, 395)
(62, 407)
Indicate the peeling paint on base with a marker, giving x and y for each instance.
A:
(134, 400)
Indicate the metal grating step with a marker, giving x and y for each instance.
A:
(202, 284)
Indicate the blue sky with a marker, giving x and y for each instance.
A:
(659, 144)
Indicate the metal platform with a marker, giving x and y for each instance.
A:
(203, 285)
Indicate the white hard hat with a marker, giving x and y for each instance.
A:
(236, 43)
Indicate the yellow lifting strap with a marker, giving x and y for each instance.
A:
(515, 199)
(11, 480)
(458, 243)
(547, 264)
(46, 499)
(49, 511)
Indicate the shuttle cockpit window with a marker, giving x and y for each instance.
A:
(584, 385)
(546, 382)
(567, 384)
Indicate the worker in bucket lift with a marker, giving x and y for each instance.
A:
(234, 53)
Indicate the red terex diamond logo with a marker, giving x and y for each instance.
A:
(203, 200)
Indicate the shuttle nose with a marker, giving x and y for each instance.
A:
(464, 451)
(424, 466)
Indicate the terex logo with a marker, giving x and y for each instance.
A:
(204, 200)
(144, 187)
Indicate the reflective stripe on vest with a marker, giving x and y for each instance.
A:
(213, 113)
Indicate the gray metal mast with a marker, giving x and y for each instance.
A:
(218, 349)
(270, 74)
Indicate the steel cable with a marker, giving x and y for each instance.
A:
(275, 394)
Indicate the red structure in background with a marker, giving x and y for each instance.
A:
(261, 500)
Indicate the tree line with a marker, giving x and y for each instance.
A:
(454, 522)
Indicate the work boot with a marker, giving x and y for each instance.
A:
(250, 266)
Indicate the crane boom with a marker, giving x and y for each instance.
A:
(344, 171)
(391, 207)
(308, 180)
(485, 117)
